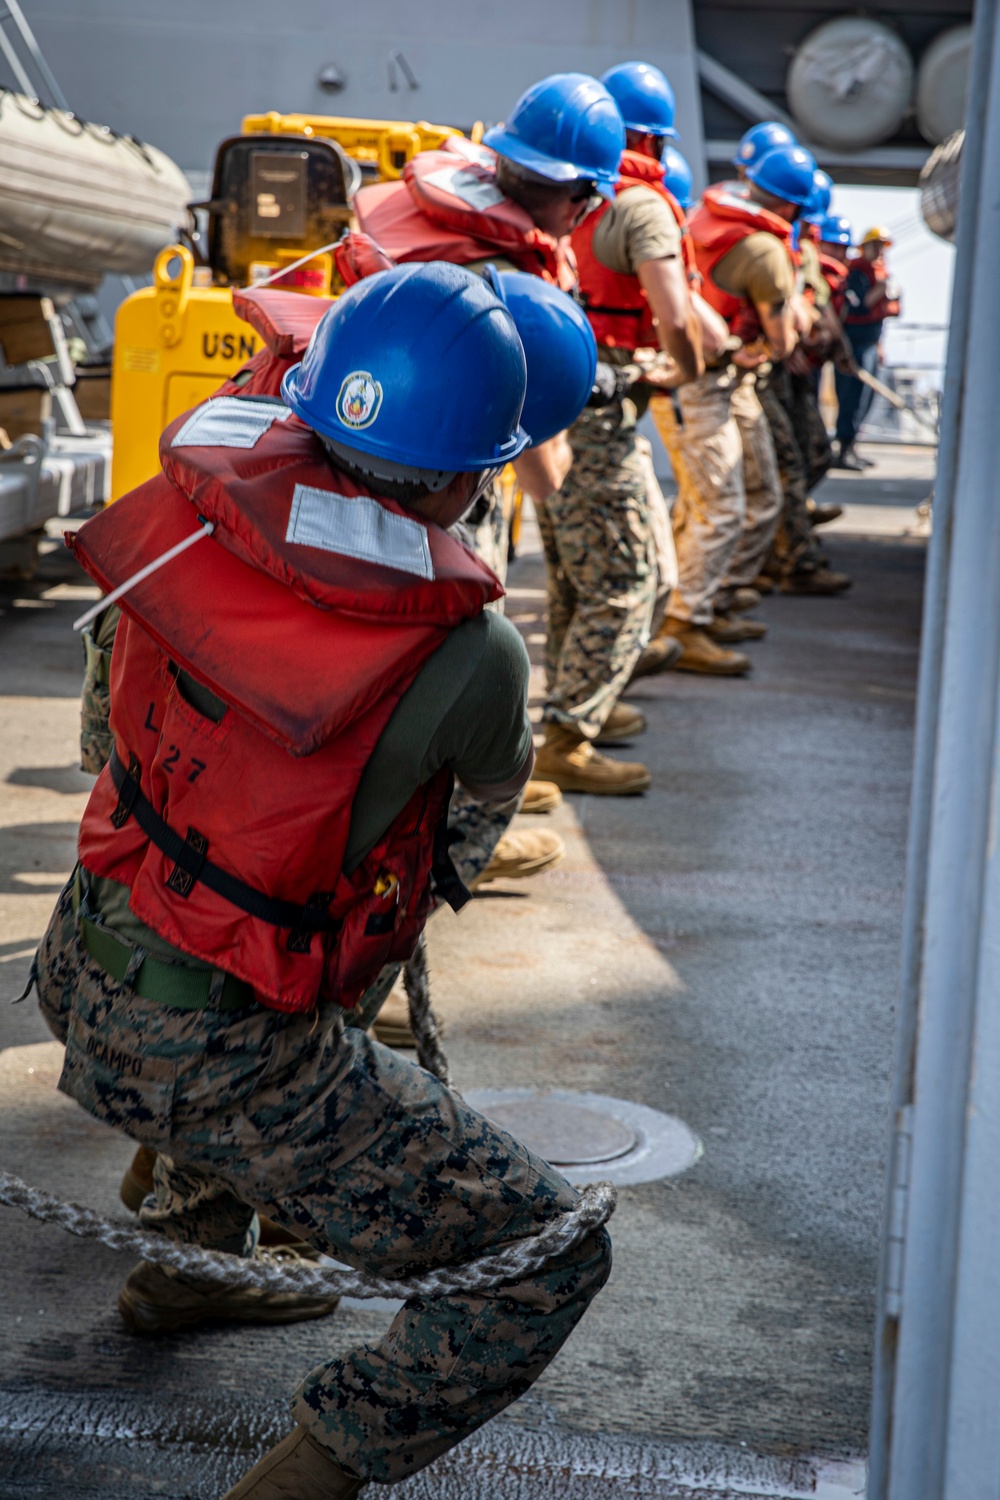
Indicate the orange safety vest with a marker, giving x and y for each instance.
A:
(615, 301)
(231, 835)
(721, 220)
(448, 207)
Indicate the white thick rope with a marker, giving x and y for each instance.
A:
(283, 1271)
(512, 1263)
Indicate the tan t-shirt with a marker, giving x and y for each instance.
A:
(478, 267)
(759, 268)
(638, 226)
(811, 273)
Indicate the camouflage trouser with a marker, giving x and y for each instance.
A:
(728, 491)
(358, 1151)
(482, 826)
(601, 570)
(803, 452)
(810, 429)
(487, 532)
(95, 735)
(662, 533)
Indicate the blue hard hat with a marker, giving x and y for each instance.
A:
(419, 366)
(677, 176)
(559, 347)
(644, 96)
(761, 139)
(567, 128)
(787, 172)
(835, 230)
(822, 195)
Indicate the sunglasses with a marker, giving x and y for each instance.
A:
(586, 194)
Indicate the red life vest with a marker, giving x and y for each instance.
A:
(835, 276)
(722, 219)
(310, 636)
(448, 207)
(886, 307)
(615, 301)
(357, 256)
(285, 322)
(834, 271)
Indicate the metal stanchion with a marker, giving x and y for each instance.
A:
(936, 1404)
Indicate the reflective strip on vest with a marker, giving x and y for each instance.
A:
(229, 422)
(355, 526)
(468, 186)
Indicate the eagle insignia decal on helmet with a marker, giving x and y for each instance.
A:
(359, 399)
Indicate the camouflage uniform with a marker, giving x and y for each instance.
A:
(600, 568)
(353, 1148)
(804, 456)
(810, 429)
(662, 534)
(477, 826)
(486, 529)
(95, 736)
(728, 491)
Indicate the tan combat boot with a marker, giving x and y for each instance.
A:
(742, 600)
(137, 1184)
(814, 582)
(297, 1469)
(726, 631)
(700, 653)
(157, 1299)
(622, 723)
(541, 797)
(518, 855)
(575, 766)
(659, 656)
(822, 515)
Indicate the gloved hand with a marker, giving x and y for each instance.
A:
(612, 382)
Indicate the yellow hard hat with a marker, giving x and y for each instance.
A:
(877, 233)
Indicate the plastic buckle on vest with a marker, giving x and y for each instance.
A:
(182, 878)
(127, 792)
(315, 917)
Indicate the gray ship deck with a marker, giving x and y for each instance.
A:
(724, 949)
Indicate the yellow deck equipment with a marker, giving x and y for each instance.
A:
(280, 190)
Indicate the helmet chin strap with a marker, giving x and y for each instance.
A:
(384, 468)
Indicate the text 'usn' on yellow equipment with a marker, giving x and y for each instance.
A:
(175, 344)
(280, 191)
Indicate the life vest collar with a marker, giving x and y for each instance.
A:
(284, 320)
(448, 207)
(724, 203)
(263, 478)
(464, 195)
(641, 168)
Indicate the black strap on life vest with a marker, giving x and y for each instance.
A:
(614, 312)
(191, 864)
